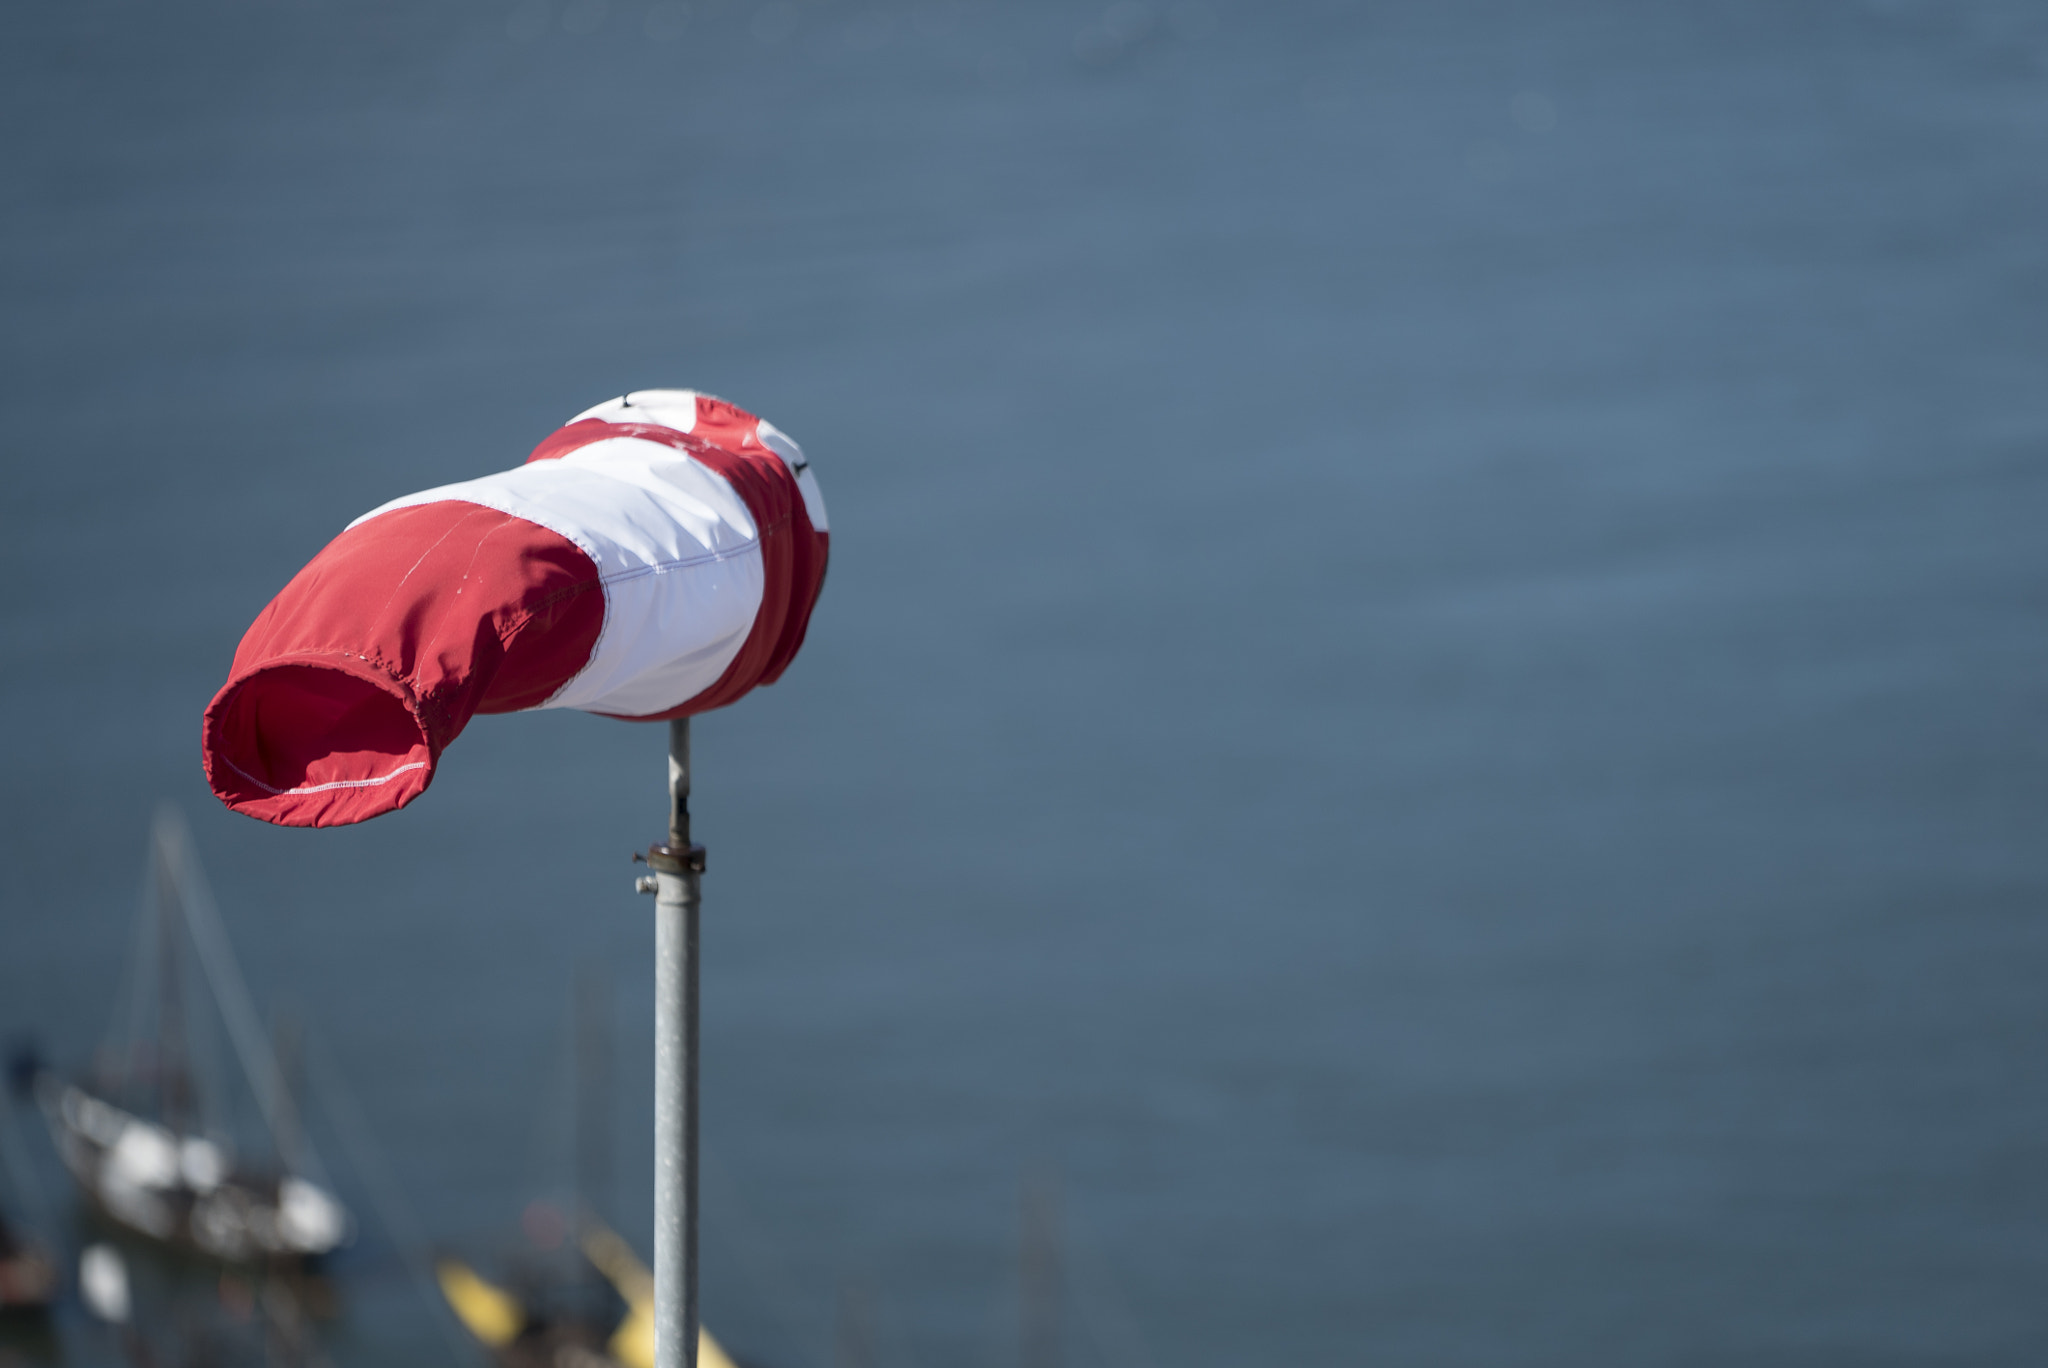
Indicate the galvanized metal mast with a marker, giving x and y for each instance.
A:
(678, 866)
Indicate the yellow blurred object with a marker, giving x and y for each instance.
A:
(633, 1343)
(492, 1314)
(614, 1258)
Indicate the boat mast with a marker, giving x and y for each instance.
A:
(173, 1073)
(591, 1117)
(287, 1045)
(230, 990)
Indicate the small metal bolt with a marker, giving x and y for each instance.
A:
(646, 883)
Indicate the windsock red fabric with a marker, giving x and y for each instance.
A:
(657, 557)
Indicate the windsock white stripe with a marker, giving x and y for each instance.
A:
(678, 409)
(668, 408)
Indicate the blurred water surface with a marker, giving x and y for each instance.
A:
(1431, 688)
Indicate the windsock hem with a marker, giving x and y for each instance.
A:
(369, 752)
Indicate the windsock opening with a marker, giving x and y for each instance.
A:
(317, 743)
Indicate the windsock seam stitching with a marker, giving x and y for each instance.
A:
(379, 781)
(664, 567)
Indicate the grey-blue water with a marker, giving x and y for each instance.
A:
(1432, 690)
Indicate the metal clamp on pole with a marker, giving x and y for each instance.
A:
(677, 866)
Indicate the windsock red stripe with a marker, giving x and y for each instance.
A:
(337, 709)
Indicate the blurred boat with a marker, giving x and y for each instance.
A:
(540, 1331)
(189, 1190)
(162, 1315)
(594, 1308)
(139, 1138)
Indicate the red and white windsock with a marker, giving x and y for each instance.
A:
(656, 557)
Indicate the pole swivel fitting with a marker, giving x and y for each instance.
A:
(668, 859)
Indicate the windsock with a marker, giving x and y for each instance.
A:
(656, 557)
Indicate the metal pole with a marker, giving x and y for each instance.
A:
(678, 865)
